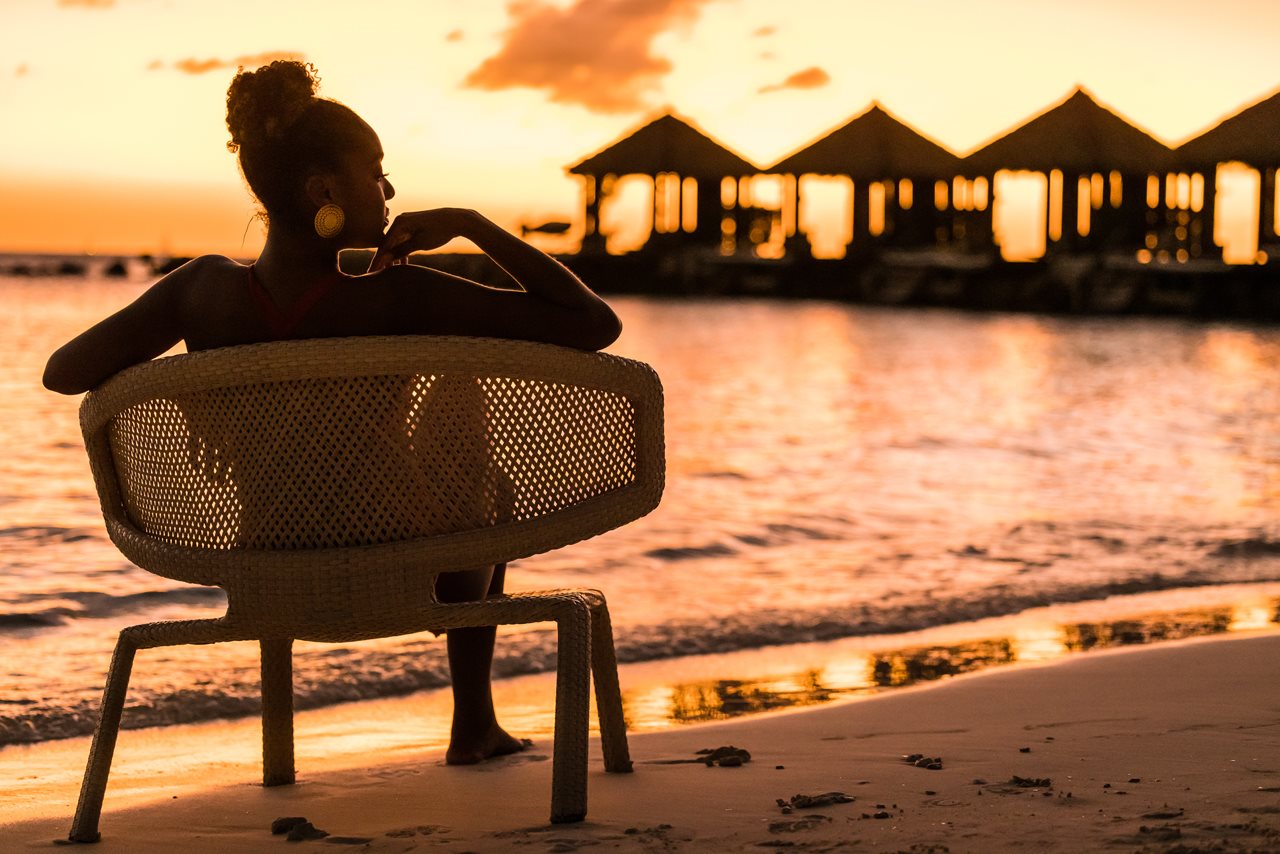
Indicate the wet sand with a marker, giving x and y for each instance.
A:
(1169, 747)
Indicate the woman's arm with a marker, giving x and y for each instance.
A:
(554, 306)
(140, 331)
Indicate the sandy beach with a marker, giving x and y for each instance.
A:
(1172, 747)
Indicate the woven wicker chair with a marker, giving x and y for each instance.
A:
(324, 484)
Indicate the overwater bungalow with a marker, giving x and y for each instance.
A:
(1099, 167)
(894, 169)
(1251, 137)
(900, 206)
(691, 195)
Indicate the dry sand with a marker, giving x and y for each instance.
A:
(1169, 748)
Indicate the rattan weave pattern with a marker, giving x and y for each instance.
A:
(373, 442)
(325, 483)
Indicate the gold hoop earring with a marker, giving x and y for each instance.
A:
(329, 221)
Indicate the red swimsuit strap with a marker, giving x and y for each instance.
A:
(283, 323)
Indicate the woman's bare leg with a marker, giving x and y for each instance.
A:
(476, 735)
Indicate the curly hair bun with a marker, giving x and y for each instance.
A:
(261, 104)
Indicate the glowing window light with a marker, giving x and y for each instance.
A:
(1153, 191)
(1084, 204)
(1197, 192)
(1170, 190)
(1055, 205)
(981, 193)
(1117, 189)
(1184, 191)
(940, 189)
(689, 204)
(728, 193)
(960, 194)
(1097, 189)
(875, 208)
(905, 191)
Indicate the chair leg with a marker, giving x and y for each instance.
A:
(573, 708)
(84, 827)
(277, 712)
(604, 669)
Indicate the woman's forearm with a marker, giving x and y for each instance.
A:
(535, 271)
(540, 275)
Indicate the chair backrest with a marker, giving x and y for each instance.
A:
(444, 453)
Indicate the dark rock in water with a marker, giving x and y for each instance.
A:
(71, 268)
(284, 824)
(117, 270)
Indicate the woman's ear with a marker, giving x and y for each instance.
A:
(319, 189)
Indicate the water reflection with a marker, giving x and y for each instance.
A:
(906, 667)
(720, 699)
(1188, 624)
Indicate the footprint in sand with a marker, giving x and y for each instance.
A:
(500, 762)
(420, 830)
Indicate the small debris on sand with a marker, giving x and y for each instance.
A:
(305, 831)
(284, 824)
(933, 763)
(1031, 782)
(808, 802)
(808, 822)
(1024, 749)
(726, 757)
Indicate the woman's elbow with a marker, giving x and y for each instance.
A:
(59, 376)
(603, 331)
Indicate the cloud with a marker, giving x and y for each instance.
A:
(809, 78)
(87, 4)
(454, 36)
(22, 70)
(190, 65)
(765, 31)
(593, 53)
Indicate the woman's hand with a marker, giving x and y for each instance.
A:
(420, 231)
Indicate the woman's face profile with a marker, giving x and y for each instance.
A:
(362, 191)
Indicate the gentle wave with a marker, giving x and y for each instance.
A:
(36, 611)
(46, 534)
(87, 604)
(329, 675)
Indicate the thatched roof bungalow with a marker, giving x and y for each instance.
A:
(1252, 137)
(883, 155)
(1079, 138)
(670, 150)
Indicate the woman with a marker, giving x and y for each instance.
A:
(316, 169)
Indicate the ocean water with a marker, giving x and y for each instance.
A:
(834, 471)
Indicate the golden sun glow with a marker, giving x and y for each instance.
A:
(114, 110)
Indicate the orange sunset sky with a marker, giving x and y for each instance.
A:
(113, 110)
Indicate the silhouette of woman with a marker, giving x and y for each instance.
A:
(316, 168)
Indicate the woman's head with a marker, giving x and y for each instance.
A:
(299, 152)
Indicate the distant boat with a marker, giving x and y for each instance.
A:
(545, 228)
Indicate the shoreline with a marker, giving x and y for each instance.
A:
(1181, 739)
(676, 689)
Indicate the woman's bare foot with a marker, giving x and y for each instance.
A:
(471, 749)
